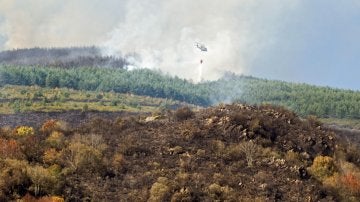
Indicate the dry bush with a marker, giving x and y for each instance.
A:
(10, 149)
(190, 131)
(51, 156)
(251, 151)
(118, 163)
(56, 139)
(293, 157)
(6, 131)
(160, 190)
(184, 113)
(217, 147)
(313, 121)
(351, 183)
(184, 194)
(185, 161)
(49, 126)
(29, 198)
(54, 125)
(233, 152)
(270, 153)
(221, 193)
(12, 174)
(332, 181)
(182, 178)
(239, 118)
(43, 181)
(85, 153)
(322, 167)
(254, 124)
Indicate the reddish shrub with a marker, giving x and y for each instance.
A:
(49, 125)
(351, 183)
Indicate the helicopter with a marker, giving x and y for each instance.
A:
(200, 46)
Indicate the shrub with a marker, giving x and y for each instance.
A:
(85, 108)
(114, 103)
(49, 125)
(118, 162)
(54, 125)
(254, 124)
(43, 181)
(322, 167)
(351, 182)
(66, 94)
(293, 157)
(99, 96)
(221, 193)
(184, 113)
(160, 190)
(10, 149)
(12, 175)
(233, 152)
(184, 194)
(218, 147)
(251, 151)
(51, 156)
(24, 131)
(56, 139)
(29, 198)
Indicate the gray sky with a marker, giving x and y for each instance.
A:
(294, 40)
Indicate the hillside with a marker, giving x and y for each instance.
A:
(32, 105)
(304, 99)
(60, 57)
(228, 152)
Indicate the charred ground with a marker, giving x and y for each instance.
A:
(229, 152)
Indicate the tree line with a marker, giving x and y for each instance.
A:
(61, 57)
(304, 99)
(139, 81)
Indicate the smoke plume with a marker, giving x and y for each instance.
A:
(152, 33)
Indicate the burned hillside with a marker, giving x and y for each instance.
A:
(229, 152)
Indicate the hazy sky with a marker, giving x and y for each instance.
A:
(311, 41)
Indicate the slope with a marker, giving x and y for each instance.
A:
(228, 152)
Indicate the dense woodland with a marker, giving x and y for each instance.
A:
(302, 98)
(140, 81)
(61, 57)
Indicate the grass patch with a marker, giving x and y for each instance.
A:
(346, 123)
(15, 99)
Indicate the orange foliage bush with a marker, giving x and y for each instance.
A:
(10, 149)
(49, 125)
(351, 183)
(29, 198)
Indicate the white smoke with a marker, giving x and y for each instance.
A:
(57, 23)
(152, 33)
(163, 33)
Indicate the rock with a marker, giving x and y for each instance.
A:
(152, 118)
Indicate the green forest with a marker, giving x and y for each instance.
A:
(304, 99)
